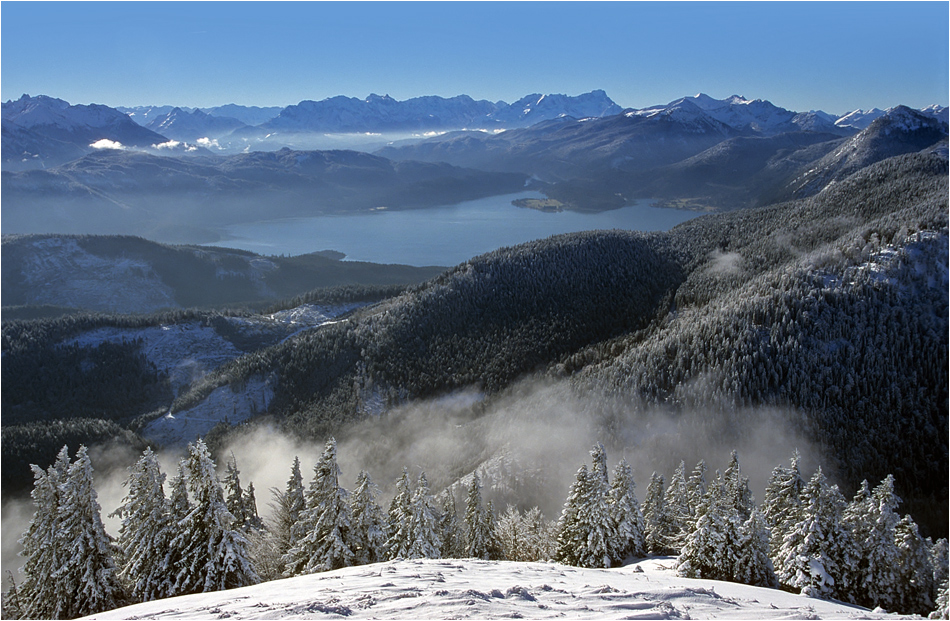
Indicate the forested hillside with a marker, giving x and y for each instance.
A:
(832, 307)
(829, 310)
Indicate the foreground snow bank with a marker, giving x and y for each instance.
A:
(469, 589)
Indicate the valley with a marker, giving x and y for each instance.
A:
(510, 286)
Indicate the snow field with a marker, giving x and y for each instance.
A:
(473, 589)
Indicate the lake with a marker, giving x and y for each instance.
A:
(446, 235)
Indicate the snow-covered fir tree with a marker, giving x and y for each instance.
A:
(815, 555)
(876, 550)
(915, 585)
(286, 509)
(477, 537)
(324, 525)
(234, 497)
(253, 518)
(214, 555)
(41, 596)
(495, 551)
(753, 564)
(711, 549)
(782, 503)
(424, 538)
(87, 573)
(737, 488)
(656, 521)
(626, 515)
(453, 539)
(397, 522)
(367, 534)
(585, 530)
(696, 491)
(146, 532)
(676, 500)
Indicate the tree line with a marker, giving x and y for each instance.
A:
(206, 534)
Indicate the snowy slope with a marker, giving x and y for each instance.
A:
(470, 589)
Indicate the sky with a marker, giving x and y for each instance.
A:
(831, 56)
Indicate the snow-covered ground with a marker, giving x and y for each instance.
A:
(469, 589)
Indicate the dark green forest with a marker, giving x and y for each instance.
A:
(831, 308)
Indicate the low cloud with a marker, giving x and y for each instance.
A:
(105, 143)
(209, 143)
(725, 263)
(171, 144)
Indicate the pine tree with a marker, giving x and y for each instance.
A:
(368, 528)
(656, 522)
(495, 551)
(146, 532)
(286, 509)
(214, 555)
(586, 535)
(453, 541)
(737, 489)
(754, 565)
(87, 573)
(253, 518)
(423, 532)
(397, 524)
(712, 550)
(40, 593)
(676, 501)
(815, 554)
(782, 505)
(626, 515)
(696, 491)
(477, 538)
(324, 525)
(235, 495)
(879, 551)
(914, 585)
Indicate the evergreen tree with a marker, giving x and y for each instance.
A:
(368, 528)
(696, 491)
(41, 595)
(87, 572)
(235, 495)
(815, 554)
(424, 538)
(397, 546)
(753, 565)
(782, 504)
(495, 551)
(453, 541)
(656, 521)
(712, 550)
(914, 585)
(286, 509)
(478, 539)
(214, 555)
(253, 518)
(941, 566)
(626, 515)
(879, 550)
(737, 489)
(146, 532)
(324, 525)
(586, 534)
(676, 500)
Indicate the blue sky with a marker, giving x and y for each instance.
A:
(800, 55)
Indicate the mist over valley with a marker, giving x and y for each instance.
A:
(479, 292)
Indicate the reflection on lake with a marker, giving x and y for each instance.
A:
(445, 235)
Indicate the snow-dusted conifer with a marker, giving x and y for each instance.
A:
(40, 595)
(424, 539)
(878, 550)
(324, 525)
(626, 515)
(495, 551)
(477, 540)
(676, 500)
(753, 565)
(737, 489)
(214, 555)
(656, 522)
(88, 572)
(941, 567)
(397, 523)
(782, 504)
(286, 509)
(696, 490)
(253, 518)
(585, 528)
(942, 610)
(711, 549)
(368, 529)
(145, 532)
(914, 587)
(453, 541)
(235, 495)
(815, 554)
